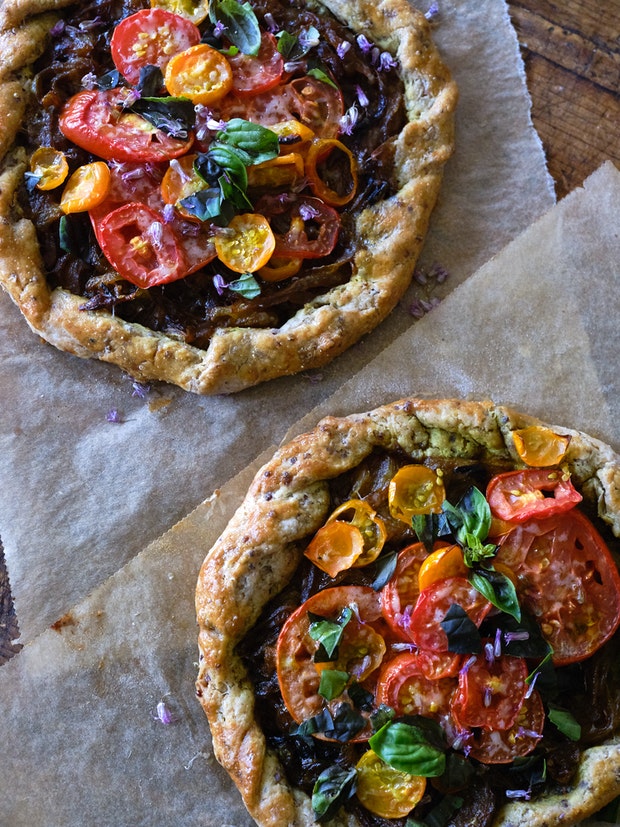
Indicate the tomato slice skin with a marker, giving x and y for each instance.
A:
(404, 686)
(490, 692)
(567, 578)
(150, 37)
(310, 227)
(502, 747)
(432, 606)
(253, 74)
(140, 246)
(399, 595)
(519, 495)
(93, 120)
(297, 674)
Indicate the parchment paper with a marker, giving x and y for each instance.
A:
(79, 700)
(82, 495)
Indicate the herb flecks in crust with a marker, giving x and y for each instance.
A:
(168, 289)
(279, 649)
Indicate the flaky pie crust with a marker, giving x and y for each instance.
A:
(390, 233)
(258, 552)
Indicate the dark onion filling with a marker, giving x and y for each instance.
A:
(590, 690)
(192, 308)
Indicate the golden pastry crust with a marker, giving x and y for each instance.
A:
(258, 552)
(389, 234)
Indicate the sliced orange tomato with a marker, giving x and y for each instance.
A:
(293, 136)
(540, 446)
(321, 154)
(362, 515)
(385, 791)
(335, 547)
(194, 10)
(86, 188)
(278, 269)
(415, 489)
(50, 166)
(180, 181)
(441, 563)
(247, 244)
(200, 73)
(283, 171)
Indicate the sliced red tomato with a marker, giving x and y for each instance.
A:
(502, 747)
(490, 692)
(432, 606)
(404, 686)
(534, 492)
(399, 595)
(567, 579)
(150, 37)
(304, 227)
(140, 246)
(96, 122)
(253, 74)
(317, 105)
(298, 675)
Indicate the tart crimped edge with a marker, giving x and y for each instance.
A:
(258, 552)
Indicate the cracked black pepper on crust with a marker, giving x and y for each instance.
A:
(185, 333)
(252, 576)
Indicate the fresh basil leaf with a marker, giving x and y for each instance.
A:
(381, 716)
(328, 633)
(462, 632)
(406, 748)
(234, 194)
(319, 74)
(205, 204)
(385, 568)
(31, 180)
(474, 551)
(333, 787)
(253, 142)
(521, 639)
(498, 590)
(428, 527)
(293, 47)
(110, 80)
(342, 726)
(73, 236)
(431, 730)
(150, 82)
(360, 697)
(458, 774)
(228, 160)
(286, 43)
(565, 721)
(239, 22)
(246, 285)
(332, 683)
(174, 116)
(471, 515)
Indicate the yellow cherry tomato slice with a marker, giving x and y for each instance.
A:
(283, 171)
(278, 269)
(415, 489)
(441, 563)
(335, 547)
(385, 791)
(180, 181)
(200, 73)
(321, 156)
(540, 446)
(247, 244)
(194, 10)
(362, 515)
(50, 166)
(293, 136)
(86, 188)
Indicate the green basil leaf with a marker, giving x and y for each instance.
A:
(74, 236)
(332, 683)
(521, 639)
(174, 116)
(565, 722)
(246, 285)
(205, 204)
(234, 194)
(253, 142)
(462, 632)
(428, 527)
(319, 74)
(31, 180)
(406, 748)
(385, 568)
(474, 551)
(226, 159)
(286, 43)
(328, 633)
(458, 774)
(381, 716)
(293, 47)
(342, 726)
(333, 787)
(110, 80)
(498, 590)
(361, 698)
(471, 515)
(151, 82)
(239, 22)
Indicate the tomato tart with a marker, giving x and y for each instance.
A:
(216, 194)
(412, 619)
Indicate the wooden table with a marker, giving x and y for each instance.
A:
(571, 50)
